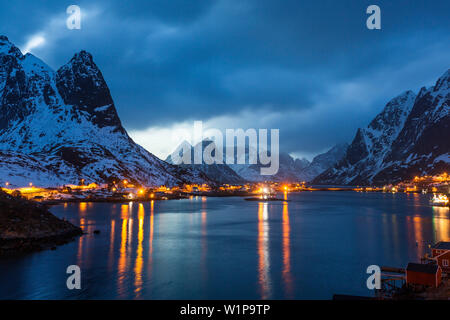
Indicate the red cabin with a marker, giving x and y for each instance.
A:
(429, 275)
(440, 248)
(443, 261)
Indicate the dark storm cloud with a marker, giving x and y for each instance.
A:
(168, 61)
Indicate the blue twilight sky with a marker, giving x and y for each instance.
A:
(310, 68)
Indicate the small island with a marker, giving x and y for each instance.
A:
(27, 226)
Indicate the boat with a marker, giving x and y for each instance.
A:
(440, 200)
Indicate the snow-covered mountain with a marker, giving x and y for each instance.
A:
(59, 127)
(294, 170)
(323, 161)
(220, 173)
(290, 169)
(408, 138)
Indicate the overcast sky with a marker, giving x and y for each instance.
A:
(310, 68)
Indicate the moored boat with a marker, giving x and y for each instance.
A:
(440, 200)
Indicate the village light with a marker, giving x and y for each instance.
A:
(7, 183)
(30, 184)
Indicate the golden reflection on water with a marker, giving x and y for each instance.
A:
(80, 242)
(130, 233)
(263, 251)
(150, 256)
(111, 244)
(152, 205)
(138, 266)
(83, 207)
(204, 218)
(124, 211)
(84, 242)
(441, 223)
(204, 242)
(418, 231)
(204, 224)
(122, 257)
(286, 273)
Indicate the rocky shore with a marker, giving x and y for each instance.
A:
(27, 226)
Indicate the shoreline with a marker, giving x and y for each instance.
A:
(18, 246)
(166, 197)
(27, 226)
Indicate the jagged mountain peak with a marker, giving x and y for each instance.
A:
(334, 155)
(81, 75)
(394, 113)
(82, 57)
(33, 64)
(408, 138)
(301, 164)
(219, 172)
(323, 161)
(443, 83)
(59, 127)
(8, 48)
(399, 100)
(178, 152)
(82, 65)
(338, 147)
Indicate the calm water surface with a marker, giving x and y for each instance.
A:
(318, 244)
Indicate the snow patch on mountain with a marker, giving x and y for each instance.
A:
(409, 137)
(67, 121)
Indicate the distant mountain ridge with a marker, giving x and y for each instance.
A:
(59, 127)
(410, 137)
(220, 173)
(290, 169)
(323, 161)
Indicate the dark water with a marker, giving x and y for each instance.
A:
(318, 244)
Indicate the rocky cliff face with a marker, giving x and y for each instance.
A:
(80, 76)
(67, 121)
(408, 138)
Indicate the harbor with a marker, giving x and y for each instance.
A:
(261, 249)
(438, 187)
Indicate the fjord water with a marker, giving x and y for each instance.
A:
(318, 244)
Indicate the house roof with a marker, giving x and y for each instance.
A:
(442, 245)
(423, 268)
(445, 254)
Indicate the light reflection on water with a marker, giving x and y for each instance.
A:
(441, 223)
(263, 251)
(287, 276)
(314, 246)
